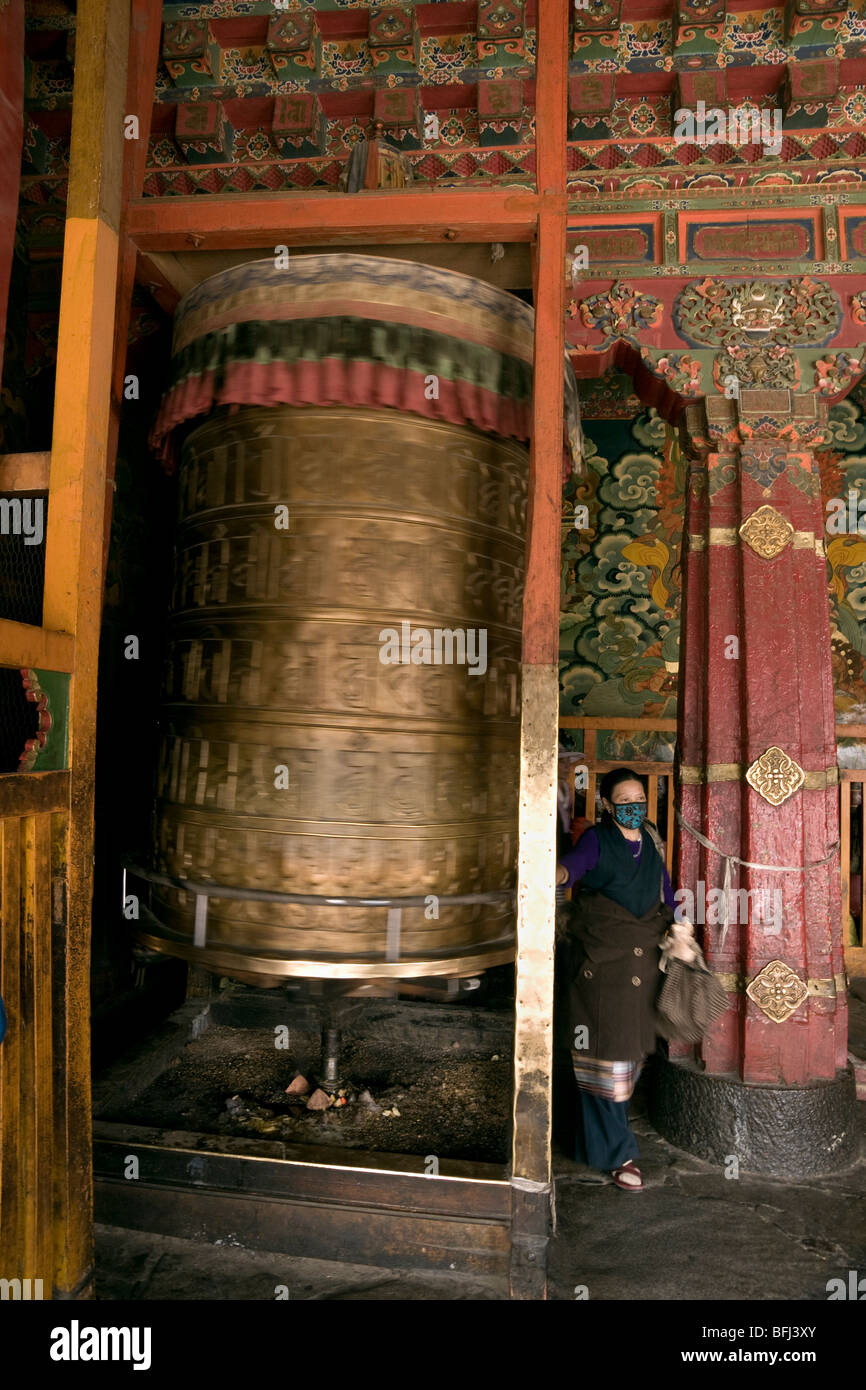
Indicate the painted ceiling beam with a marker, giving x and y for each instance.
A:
(271, 219)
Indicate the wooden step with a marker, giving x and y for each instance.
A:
(310, 1201)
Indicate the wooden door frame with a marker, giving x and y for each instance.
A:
(108, 226)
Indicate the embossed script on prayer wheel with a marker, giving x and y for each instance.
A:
(342, 697)
(400, 778)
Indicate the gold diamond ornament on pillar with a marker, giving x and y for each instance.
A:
(777, 990)
(767, 532)
(775, 776)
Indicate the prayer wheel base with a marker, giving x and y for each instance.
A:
(268, 973)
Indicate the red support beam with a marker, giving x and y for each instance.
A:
(144, 40)
(551, 96)
(273, 219)
(543, 527)
(541, 601)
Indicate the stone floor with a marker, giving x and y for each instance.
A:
(691, 1234)
(695, 1234)
(135, 1265)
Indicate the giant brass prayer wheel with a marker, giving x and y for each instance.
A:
(313, 745)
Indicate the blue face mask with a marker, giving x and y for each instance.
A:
(631, 814)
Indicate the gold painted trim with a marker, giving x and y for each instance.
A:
(820, 781)
(822, 989)
(730, 981)
(713, 772)
(692, 776)
(724, 772)
(727, 535)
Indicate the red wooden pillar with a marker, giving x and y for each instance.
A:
(759, 781)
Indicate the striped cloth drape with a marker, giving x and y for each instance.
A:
(358, 331)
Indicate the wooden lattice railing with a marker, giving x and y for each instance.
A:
(852, 813)
(654, 772)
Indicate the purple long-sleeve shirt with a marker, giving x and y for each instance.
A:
(585, 856)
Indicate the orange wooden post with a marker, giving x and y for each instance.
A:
(33, 821)
(652, 797)
(533, 1037)
(73, 575)
(590, 752)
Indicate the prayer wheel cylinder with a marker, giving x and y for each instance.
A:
(303, 750)
(342, 698)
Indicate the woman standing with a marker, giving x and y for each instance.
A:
(616, 925)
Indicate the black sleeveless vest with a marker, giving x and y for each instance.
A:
(634, 884)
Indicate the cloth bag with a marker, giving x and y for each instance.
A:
(690, 1000)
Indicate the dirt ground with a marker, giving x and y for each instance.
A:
(451, 1107)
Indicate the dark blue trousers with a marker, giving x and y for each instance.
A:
(603, 1137)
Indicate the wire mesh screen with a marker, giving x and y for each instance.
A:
(23, 523)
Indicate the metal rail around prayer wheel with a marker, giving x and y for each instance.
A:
(500, 952)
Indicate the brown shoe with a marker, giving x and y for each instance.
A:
(627, 1177)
